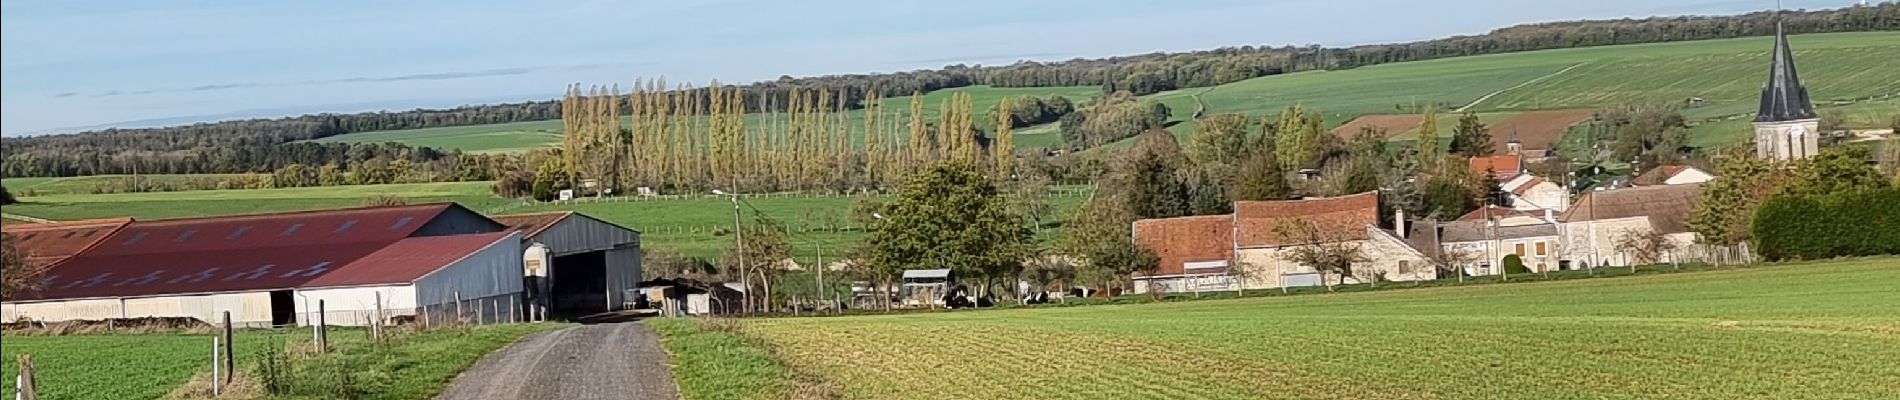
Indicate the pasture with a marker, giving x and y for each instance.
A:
(200, 203)
(1807, 330)
(121, 366)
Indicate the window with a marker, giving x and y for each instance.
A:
(1520, 249)
(1540, 249)
(89, 233)
(185, 236)
(346, 226)
(292, 229)
(237, 233)
(68, 235)
(401, 222)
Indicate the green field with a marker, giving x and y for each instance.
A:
(522, 136)
(1842, 71)
(413, 365)
(120, 366)
(1809, 331)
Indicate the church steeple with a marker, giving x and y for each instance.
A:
(1784, 98)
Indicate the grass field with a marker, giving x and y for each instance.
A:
(120, 366)
(85, 184)
(1826, 330)
(414, 365)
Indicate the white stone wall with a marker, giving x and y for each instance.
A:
(1391, 259)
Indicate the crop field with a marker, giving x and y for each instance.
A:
(84, 184)
(1392, 124)
(120, 366)
(1537, 129)
(523, 136)
(1827, 330)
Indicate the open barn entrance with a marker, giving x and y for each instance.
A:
(283, 309)
(580, 284)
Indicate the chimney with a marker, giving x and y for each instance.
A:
(1398, 222)
(1550, 215)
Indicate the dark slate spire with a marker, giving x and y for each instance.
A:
(1784, 99)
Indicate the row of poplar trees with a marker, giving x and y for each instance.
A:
(693, 141)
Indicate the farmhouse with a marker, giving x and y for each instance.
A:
(576, 264)
(1255, 246)
(1503, 167)
(1483, 243)
(273, 269)
(1598, 225)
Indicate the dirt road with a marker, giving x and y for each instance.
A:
(605, 361)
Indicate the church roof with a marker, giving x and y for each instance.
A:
(1784, 98)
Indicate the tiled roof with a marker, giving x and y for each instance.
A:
(1473, 231)
(1338, 218)
(1667, 206)
(409, 259)
(1527, 185)
(1178, 241)
(1505, 166)
(1497, 212)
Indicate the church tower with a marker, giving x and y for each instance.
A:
(1786, 128)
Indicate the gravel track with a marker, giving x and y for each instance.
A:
(605, 361)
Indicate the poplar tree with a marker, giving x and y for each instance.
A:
(1428, 138)
(1004, 148)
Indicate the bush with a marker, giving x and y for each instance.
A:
(1846, 224)
(1514, 264)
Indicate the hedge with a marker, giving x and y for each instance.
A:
(1827, 226)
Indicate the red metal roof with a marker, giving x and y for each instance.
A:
(409, 259)
(1178, 241)
(224, 254)
(532, 224)
(55, 242)
(1338, 218)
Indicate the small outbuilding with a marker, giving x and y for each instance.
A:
(574, 264)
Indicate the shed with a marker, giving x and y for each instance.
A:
(574, 264)
(926, 286)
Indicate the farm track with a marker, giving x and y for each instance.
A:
(1488, 96)
(606, 361)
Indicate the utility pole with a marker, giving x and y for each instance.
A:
(738, 231)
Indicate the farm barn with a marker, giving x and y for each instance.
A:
(272, 269)
(577, 264)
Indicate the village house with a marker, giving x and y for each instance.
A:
(1251, 249)
(1597, 226)
(1484, 237)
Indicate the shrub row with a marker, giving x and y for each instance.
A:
(1827, 226)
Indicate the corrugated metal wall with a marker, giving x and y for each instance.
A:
(494, 271)
(580, 234)
(623, 274)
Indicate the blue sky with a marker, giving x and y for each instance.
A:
(67, 64)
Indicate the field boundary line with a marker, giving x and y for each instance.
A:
(1474, 103)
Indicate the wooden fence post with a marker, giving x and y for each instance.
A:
(230, 348)
(216, 365)
(26, 384)
(376, 327)
(458, 306)
(323, 328)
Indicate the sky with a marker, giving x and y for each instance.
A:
(66, 65)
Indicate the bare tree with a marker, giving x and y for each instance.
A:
(1326, 252)
(1453, 261)
(18, 272)
(1643, 246)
